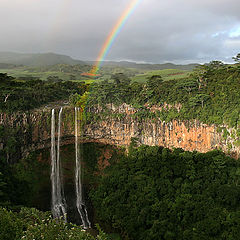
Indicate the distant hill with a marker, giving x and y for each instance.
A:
(148, 66)
(36, 59)
(7, 66)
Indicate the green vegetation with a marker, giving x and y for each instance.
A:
(210, 94)
(62, 71)
(154, 193)
(30, 224)
(43, 66)
(148, 66)
(237, 58)
(151, 193)
(16, 180)
(166, 74)
(65, 72)
(25, 95)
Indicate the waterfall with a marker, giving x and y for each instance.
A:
(81, 207)
(58, 200)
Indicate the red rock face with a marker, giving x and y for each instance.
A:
(174, 134)
(189, 136)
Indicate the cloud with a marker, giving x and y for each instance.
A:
(157, 31)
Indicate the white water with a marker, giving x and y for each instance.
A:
(58, 200)
(78, 183)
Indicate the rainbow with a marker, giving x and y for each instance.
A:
(113, 35)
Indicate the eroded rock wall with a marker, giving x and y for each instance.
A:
(188, 135)
(35, 130)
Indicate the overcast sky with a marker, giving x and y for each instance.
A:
(158, 31)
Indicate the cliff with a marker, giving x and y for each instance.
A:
(34, 131)
(188, 135)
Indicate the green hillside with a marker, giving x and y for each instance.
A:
(210, 94)
(64, 72)
(166, 74)
(155, 194)
(148, 66)
(24, 95)
(65, 68)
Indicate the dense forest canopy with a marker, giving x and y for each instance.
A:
(22, 95)
(154, 193)
(210, 94)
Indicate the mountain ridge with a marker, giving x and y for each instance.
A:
(47, 59)
(37, 59)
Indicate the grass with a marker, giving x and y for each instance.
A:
(140, 75)
(167, 74)
(24, 72)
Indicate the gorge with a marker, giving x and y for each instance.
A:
(36, 133)
(35, 130)
(144, 160)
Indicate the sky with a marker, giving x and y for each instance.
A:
(178, 31)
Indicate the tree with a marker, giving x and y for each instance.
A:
(237, 58)
(54, 79)
(154, 81)
(188, 84)
(2, 189)
(198, 99)
(120, 78)
(72, 77)
(5, 78)
(215, 64)
(136, 89)
(29, 78)
(200, 73)
(155, 193)
(6, 96)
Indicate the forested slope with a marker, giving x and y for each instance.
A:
(211, 94)
(154, 193)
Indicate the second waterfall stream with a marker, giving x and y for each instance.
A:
(81, 207)
(58, 200)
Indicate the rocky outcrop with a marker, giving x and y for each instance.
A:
(188, 135)
(34, 128)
